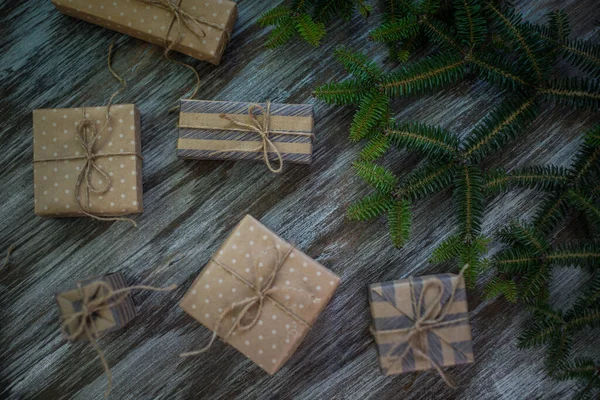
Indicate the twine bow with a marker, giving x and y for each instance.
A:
(93, 303)
(263, 130)
(262, 291)
(180, 18)
(425, 320)
(87, 142)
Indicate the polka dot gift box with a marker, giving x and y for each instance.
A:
(108, 174)
(203, 26)
(260, 295)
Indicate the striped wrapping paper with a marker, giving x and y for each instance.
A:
(204, 135)
(108, 320)
(392, 308)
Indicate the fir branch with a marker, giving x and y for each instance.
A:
(469, 198)
(370, 207)
(538, 332)
(442, 35)
(583, 55)
(357, 64)
(275, 16)
(375, 148)
(546, 178)
(447, 250)
(373, 110)
(499, 126)
(514, 260)
(342, 93)
(424, 75)
(399, 221)
(283, 32)
(494, 69)
(430, 141)
(500, 286)
(470, 23)
(553, 210)
(535, 281)
(397, 30)
(585, 205)
(426, 180)
(577, 254)
(377, 176)
(574, 92)
(510, 24)
(309, 30)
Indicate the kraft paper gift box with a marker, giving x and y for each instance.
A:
(395, 309)
(204, 26)
(205, 132)
(293, 300)
(104, 321)
(60, 160)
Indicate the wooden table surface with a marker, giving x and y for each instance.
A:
(48, 60)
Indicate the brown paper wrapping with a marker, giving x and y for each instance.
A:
(54, 136)
(151, 23)
(107, 320)
(277, 335)
(204, 135)
(393, 308)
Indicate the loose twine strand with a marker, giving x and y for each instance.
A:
(262, 292)
(263, 129)
(90, 307)
(193, 23)
(425, 321)
(87, 142)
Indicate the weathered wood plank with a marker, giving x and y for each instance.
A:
(50, 60)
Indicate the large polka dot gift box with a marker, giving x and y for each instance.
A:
(74, 175)
(203, 26)
(260, 294)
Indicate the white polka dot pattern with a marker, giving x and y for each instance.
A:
(55, 181)
(151, 24)
(277, 333)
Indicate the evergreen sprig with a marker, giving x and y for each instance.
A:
(307, 19)
(440, 44)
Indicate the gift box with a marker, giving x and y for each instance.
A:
(224, 130)
(204, 26)
(421, 323)
(119, 311)
(105, 173)
(260, 294)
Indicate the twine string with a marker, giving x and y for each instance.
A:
(425, 320)
(91, 305)
(262, 291)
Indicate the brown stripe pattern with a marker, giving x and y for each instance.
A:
(201, 135)
(393, 307)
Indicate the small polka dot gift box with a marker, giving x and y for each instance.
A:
(260, 294)
(84, 164)
(198, 28)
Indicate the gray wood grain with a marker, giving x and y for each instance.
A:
(50, 60)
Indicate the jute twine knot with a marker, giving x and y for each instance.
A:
(426, 320)
(87, 134)
(263, 130)
(105, 299)
(262, 291)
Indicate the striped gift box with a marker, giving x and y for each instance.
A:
(204, 135)
(108, 320)
(393, 308)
